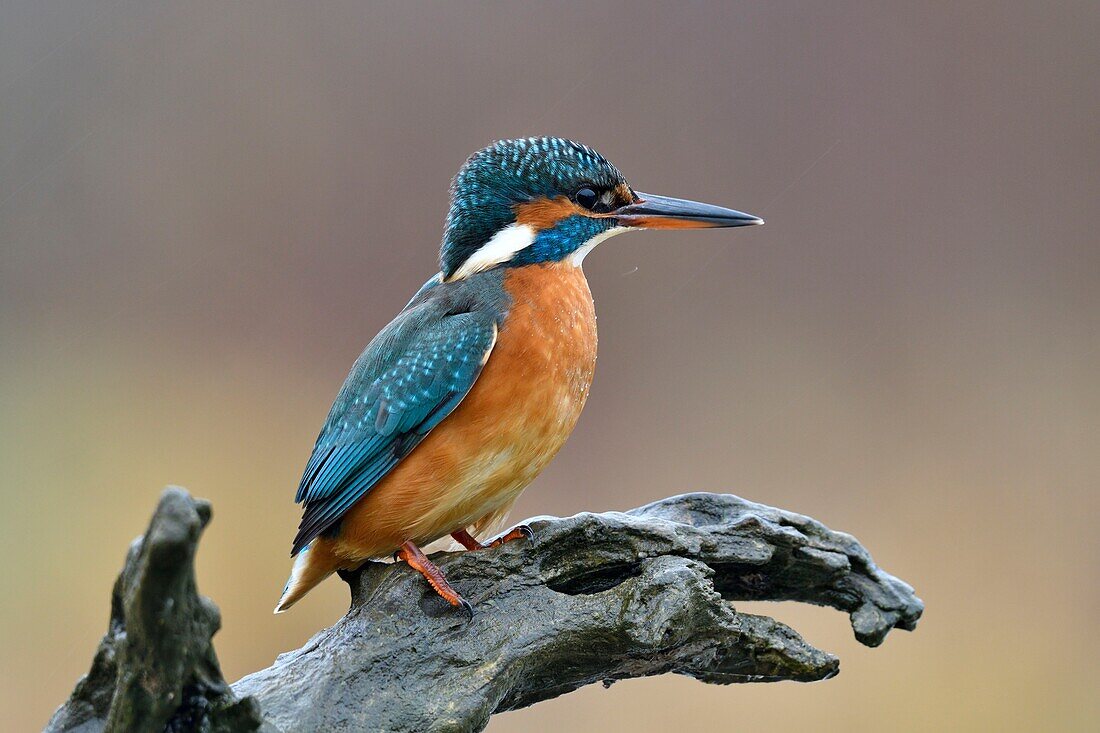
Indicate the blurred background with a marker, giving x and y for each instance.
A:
(208, 209)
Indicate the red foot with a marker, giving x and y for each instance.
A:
(467, 540)
(520, 531)
(419, 562)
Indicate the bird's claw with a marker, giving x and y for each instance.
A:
(520, 531)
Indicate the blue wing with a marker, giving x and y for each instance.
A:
(410, 377)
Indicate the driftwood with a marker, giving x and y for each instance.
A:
(155, 669)
(593, 598)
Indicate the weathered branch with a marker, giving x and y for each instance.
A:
(596, 597)
(155, 669)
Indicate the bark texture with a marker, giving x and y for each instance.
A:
(155, 669)
(593, 598)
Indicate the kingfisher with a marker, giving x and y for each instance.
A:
(456, 406)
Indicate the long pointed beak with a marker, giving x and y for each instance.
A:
(662, 212)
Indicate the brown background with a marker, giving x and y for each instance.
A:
(207, 209)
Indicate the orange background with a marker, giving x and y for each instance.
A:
(207, 209)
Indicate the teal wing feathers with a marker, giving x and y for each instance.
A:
(409, 378)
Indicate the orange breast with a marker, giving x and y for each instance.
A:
(519, 413)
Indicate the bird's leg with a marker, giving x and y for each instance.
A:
(468, 541)
(419, 562)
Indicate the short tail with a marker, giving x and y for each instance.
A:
(308, 571)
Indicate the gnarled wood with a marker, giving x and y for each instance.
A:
(594, 598)
(155, 669)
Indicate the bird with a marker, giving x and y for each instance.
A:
(456, 406)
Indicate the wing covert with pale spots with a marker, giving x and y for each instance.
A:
(409, 378)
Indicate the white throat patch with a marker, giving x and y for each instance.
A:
(515, 238)
(578, 255)
(501, 248)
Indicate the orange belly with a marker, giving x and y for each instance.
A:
(473, 466)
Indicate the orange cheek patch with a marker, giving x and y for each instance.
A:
(623, 194)
(546, 213)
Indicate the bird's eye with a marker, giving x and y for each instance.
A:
(586, 197)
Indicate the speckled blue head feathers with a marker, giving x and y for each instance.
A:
(497, 180)
(546, 199)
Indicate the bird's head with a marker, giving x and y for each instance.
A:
(547, 199)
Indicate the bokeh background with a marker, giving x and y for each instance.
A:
(207, 209)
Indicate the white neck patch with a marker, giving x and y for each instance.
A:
(515, 238)
(578, 255)
(501, 248)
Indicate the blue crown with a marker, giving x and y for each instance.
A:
(510, 172)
